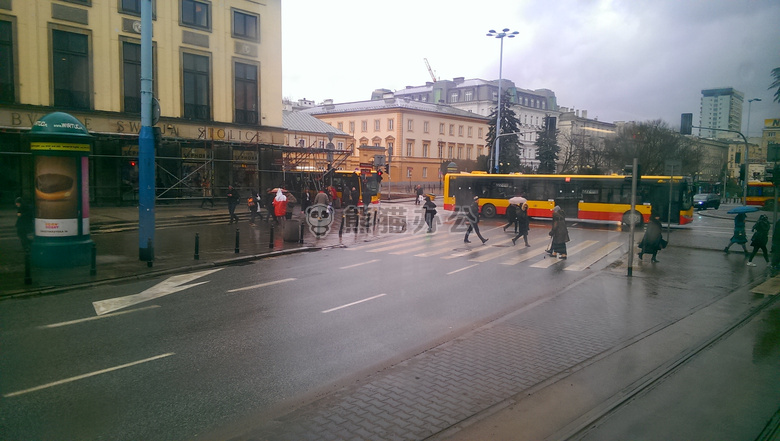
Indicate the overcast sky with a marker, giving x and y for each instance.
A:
(627, 60)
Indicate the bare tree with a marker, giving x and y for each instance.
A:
(653, 143)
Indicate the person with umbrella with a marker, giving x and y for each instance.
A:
(739, 236)
(522, 224)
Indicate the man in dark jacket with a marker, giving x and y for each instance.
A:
(472, 217)
(232, 199)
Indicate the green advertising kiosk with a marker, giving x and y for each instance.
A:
(60, 146)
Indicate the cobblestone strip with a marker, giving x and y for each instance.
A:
(429, 393)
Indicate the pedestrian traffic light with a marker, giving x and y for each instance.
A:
(742, 172)
(686, 123)
(387, 168)
(379, 175)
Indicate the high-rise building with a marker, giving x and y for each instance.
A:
(720, 109)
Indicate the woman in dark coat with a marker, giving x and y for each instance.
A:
(511, 216)
(430, 211)
(559, 233)
(653, 240)
(760, 238)
(522, 225)
(739, 235)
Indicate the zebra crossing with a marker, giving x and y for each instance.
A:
(582, 254)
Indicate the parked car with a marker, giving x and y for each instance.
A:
(703, 201)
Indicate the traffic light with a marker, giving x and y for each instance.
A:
(742, 172)
(387, 168)
(686, 123)
(379, 174)
(628, 171)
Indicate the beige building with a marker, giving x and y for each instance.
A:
(415, 137)
(217, 77)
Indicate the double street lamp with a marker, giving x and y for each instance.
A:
(500, 35)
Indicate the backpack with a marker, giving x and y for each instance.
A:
(251, 202)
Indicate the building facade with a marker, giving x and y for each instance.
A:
(217, 78)
(720, 109)
(480, 97)
(415, 137)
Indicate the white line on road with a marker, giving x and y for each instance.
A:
(83, 376)
(352, 304)
(261, 285)
(358, 264)
(88, 319)
(459, 270)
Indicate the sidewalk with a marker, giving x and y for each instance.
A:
(114, 230)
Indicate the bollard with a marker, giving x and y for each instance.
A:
(149, 262)
(341, 228)
(27, 269)
(375, 211)
(93, 268)
(197, 247)
(271, 236)
(236, 240)
(300, 239)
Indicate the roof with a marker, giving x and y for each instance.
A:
(392, 103)
(304, 122)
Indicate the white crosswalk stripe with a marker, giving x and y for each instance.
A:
(499, 250)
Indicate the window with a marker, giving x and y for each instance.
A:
(450, 152)
(410, 149)
(408, 172)
(389, 149)
(460, 151)
(469, 151)
(196, 88)
(426, 127)
(245, 26)
(479, 132)
(454, 97)
(341, 145)
(195, 13)
(246, 93)
(441, 150)
(390, 124)
(409, 125)
(131, 6)
(7, 94)
(71, 65)
(340, 126)
(364, 126)
(377, 125)
(470, 131)
(469, 95)
(460, 130)
(425, 172)
(426, 147)
(352, 127)
(441, 128)
(131, 76)
(452, 129)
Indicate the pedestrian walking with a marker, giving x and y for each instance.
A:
(760, 239)
(280, 206)
(252, 202)
(776, 246)
(232, 200)
(559, 233)
(739, 236)
(430, 212)
(472, 218)
(419, 192)
(269, 204)
(522, 224)
(24, 223)
(321, 198)
(305, 200)
(653, 240)
(511, 217)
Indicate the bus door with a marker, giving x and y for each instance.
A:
(568, 198)
(463, 191)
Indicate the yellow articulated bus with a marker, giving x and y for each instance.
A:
(583, 197)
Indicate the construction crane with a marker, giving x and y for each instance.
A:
(430, 71)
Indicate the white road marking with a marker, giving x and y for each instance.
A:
(167, 286)
(464, 268)
(498, 253)
(261, 285)
(546, 263)
(529, 254)
(352, 304)
(358, 264)
(73, 322)
(83, 376)
(380, 243)
(594, 257)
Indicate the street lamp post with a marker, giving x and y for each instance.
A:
(747, 164)
(500, 35)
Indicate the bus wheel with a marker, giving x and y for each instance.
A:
(637, 218)
(488, 210)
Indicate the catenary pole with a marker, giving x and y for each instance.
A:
(146, 161)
